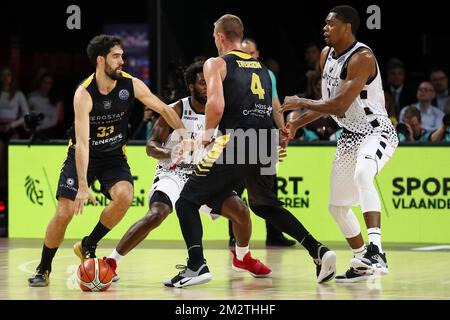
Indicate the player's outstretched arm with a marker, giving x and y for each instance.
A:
(360, 68)
(143, 93)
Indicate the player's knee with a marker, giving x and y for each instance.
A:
(64, 215)
(123, 198)
(159, 212)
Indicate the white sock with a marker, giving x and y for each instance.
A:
(359, 253)
(241, 252)
(375, 237)
(116, 256)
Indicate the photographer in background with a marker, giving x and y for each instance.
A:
(45, 101)
(411, 128)
(442, 134)
(13, 107)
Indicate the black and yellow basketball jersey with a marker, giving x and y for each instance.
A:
(109, 117)
(247, 90)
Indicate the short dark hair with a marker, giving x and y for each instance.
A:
(190, 75)
(348, 14)
(100, 46)
(395, 63)
(412, 112)
(231, 26)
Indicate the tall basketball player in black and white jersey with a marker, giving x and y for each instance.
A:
(352, 94)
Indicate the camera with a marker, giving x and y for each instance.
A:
(33, 119)
(446, 120)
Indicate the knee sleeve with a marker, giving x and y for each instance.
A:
(346, 220)
(365, 171)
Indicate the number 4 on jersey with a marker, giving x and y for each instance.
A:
(256, 86)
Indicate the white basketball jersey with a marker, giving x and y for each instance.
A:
(194, 124)
(368, 106)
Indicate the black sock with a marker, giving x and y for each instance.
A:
(311, 244)
(286, 222)
(47, 257)
(96, 235)
(192, 230)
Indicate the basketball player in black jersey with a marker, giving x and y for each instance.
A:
(163, 194)
(239, 101)
(102, 105)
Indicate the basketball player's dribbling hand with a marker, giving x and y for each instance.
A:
(83, 194)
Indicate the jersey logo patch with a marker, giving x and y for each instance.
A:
(107, 104)
(124, 94)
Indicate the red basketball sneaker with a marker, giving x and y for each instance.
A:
(254, 266)
(112, 263)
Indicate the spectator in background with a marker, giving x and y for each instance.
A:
(13, 106)
(410, 129)
(442, 134)
(311, 66)
(401, 93)
(439, 80)
(145, 127)
(431, 116)
(45, 101)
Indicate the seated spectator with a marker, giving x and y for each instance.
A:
(44, 101)
(411, 128)
(439, 81)
(13, 106)
(431, 116)
(442, 134)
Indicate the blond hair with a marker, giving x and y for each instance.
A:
(231, 26)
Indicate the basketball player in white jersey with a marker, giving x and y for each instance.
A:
(352, 94)
(171, 177)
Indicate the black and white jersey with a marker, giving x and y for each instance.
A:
(369, 107)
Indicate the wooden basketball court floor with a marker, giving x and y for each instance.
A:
(416, 272)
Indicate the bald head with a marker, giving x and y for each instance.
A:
(231, 26)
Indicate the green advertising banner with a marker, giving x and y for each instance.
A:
(414, 187)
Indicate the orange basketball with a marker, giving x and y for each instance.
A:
(94, 275)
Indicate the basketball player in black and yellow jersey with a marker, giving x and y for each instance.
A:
(239, 102)
(102, 105)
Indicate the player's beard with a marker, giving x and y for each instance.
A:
(199, 97)
(113, 73)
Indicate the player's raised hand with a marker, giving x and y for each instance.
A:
(83, 194)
